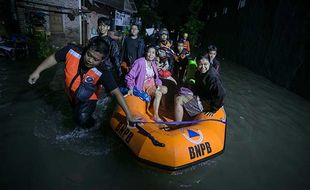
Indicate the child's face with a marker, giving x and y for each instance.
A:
(203, 65)
(164, 37)
(185, 36)
(180, 47)
(212, 54)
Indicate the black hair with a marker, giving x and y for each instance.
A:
(204, 57)
(135, 24)
(164, 31)
(212, 48)
(104, 20)
(146, 49)
(98, 44)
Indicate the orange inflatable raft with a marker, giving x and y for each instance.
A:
(173, 149)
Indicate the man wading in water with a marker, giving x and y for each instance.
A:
(84, 76)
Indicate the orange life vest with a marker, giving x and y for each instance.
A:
(186, 45)
(178, 57)
(165, 44)
(73, 77)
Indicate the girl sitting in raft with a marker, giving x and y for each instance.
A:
(144, 76)
(163, 65)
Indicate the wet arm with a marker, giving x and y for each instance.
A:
(121, 101)
(47, 63)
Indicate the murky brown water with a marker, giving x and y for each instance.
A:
(267, 143)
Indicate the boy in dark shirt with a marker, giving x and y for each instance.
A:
(180, 62)
(112, 62)
(133, 48)
(211, 54)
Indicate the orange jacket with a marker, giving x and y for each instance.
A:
(73, 77)
(165, 44)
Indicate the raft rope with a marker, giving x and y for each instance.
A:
(156, 142)
(181, 122)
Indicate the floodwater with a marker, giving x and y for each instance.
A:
(267, 140)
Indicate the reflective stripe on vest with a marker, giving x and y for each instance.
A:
(72, 69)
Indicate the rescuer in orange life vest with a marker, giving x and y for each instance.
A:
(186, 42)
(84, 76)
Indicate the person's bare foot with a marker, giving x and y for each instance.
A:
(164, 127)
(157, 119)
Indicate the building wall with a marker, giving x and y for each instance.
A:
(71, 29)
(4, 20)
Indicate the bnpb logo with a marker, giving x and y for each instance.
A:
(193, 135)
(89, 79)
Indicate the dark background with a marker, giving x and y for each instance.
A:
(269, 37)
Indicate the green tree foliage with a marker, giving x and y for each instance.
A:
(193, 26)
(43, 46)
(148, 13)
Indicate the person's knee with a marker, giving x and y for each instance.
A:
(164, 89)
(158, 94)
(178, 101)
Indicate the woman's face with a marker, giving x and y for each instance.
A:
(203, 65)
(150, 54)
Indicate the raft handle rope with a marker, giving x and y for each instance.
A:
(144, 132)
(156, 142)
(180, 122)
